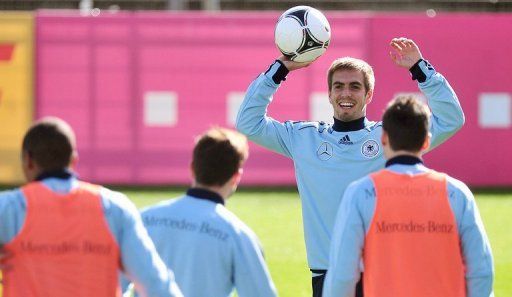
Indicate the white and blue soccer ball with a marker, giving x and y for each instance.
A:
(302, 33)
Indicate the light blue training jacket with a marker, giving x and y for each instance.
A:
(327, 161)
(139, 258)
(209, 249)
(354, 218)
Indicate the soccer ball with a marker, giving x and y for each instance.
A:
(302, 33)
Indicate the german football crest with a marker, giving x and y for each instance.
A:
(370, 148)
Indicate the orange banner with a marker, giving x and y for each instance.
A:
(16, 90)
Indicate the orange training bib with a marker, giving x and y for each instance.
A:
(412, 247)
(65, 247)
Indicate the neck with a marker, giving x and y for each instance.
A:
(393, 154)
(404, 160)
(59, 173)
(347, 126)
(223, 191)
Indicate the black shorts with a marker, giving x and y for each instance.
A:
(317, 283)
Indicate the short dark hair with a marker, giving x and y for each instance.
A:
(406, 121)
(218, 155)
(50, 142)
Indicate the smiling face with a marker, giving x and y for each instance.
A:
(348, 95)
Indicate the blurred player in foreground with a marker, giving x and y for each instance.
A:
(65, 237)
(417, 231)
(210, 250)
(328, 157)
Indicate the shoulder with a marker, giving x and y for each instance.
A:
(165, 206)
(372, 125)
(360, 192)
(361, 185)
(117, 204)
(458, 188)
(236, 226)
(319, 126)
(12, 198)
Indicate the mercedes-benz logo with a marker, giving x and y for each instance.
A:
(324, 151)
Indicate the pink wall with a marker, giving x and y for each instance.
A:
(470, 50)
(96, 71)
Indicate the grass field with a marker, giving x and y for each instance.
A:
(275, 215)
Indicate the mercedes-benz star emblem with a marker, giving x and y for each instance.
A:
(324, 151)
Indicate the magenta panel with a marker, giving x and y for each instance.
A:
(96, 72)
(468, 49)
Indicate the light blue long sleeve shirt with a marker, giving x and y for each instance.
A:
(327, 161)
(354, 218)
(139, 259)
(209, 249)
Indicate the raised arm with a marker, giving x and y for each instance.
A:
(447, 115)
(252, 119)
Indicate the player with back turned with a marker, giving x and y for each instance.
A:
(64, 237)
(417, 231)
(328, 157)
(211, 251)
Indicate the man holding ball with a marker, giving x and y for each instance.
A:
(328, 157)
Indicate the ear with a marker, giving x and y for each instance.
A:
(369, 96)
(74, 159)
(384, 139)
(426, 143)
(192, 171)
(27, 160)
(29, 166)
(235, 180)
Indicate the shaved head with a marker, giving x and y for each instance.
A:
(50, 143)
